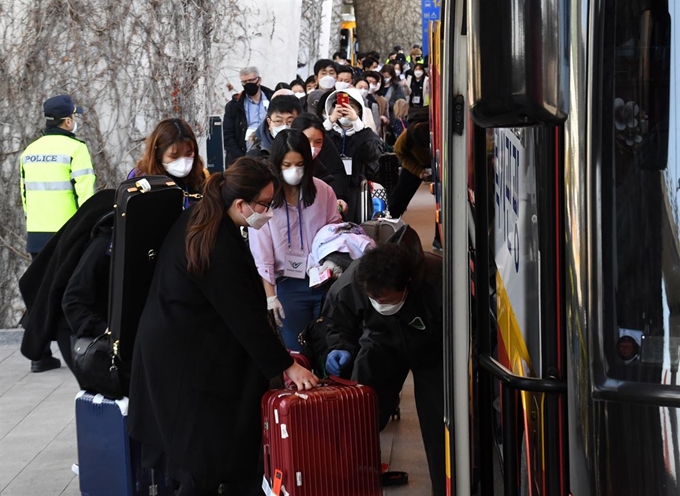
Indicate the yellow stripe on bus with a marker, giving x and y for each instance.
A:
(510, 332)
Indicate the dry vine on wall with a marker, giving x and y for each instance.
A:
(129, 63)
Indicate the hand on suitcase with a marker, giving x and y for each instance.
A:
(303, 378)
(275, 306)
(336, 360)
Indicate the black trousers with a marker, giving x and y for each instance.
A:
(406, 188)
(383, 363)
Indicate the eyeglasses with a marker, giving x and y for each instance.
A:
(280, 122)
(267, 206)
(253, 80)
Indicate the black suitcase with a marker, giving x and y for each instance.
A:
(214, 145)
(145, 210)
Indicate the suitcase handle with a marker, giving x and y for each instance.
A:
(340, 380)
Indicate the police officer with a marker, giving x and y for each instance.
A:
(384, 319)
(56, 178)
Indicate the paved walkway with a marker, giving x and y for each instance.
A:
(37, 426)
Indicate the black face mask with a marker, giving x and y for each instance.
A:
(251, 89)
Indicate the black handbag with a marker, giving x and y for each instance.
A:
(97, 367)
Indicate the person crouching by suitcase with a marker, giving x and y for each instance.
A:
(302, 207)
(384, 319)
(172, 150)
(204, 350)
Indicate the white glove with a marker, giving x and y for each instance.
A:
(275, 306)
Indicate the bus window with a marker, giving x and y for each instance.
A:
(640, 173)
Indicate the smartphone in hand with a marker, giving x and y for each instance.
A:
(342, 99)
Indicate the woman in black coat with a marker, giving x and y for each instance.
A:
(204, 351)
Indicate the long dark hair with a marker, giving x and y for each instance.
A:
(294, 140)
(307, 120)
(244, 179)
(168, 133)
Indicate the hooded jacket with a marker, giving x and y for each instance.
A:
(356, 141)
(260, 143)
(360, 144)
(356, 97)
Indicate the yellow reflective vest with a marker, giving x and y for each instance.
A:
(56, 178)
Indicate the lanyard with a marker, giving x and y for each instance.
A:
(288, 226)
(344, 138)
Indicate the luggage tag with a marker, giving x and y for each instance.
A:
(347, 162)
(295, 266)
(278, 479)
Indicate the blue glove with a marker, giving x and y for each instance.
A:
(336, 360)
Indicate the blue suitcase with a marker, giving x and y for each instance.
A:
(108, 462)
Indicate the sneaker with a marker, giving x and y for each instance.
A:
(437, 245)
(45, 364)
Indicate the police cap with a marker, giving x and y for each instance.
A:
(60, 106)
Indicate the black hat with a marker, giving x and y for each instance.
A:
(398, 48)
(59, 107)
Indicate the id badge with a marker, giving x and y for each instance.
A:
(347, 162)
(295, 266)
(416, 100)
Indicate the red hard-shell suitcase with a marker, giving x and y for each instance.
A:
(324, 441)
(145, 210)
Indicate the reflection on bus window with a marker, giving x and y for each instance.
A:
(644, 226)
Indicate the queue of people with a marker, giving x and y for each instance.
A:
(205, 349)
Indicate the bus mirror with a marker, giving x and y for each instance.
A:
(518, 62)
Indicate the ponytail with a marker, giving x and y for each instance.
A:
(244, 179)
(204, 224)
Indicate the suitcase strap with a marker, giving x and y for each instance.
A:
(340, 380)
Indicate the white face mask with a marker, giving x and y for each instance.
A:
(364, 92)
(180, 167)
(277, 129)
(345, 122)
(341, 85)
(293, 175)
(418, 74)
(397, 72)
(327, 82)
(387, 308)
(373, 88)
(387, 79)
(257, 220)
(315, 152)
(300, 94)
(75, 127)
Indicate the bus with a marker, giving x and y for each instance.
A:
(556, 147)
